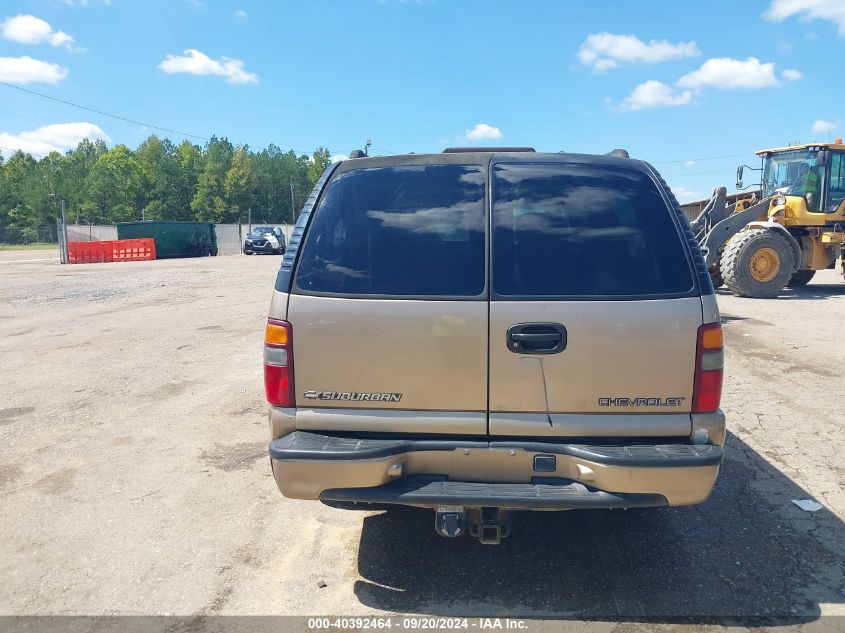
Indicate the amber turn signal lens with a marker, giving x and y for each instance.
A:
(275, 334)
(711, 338)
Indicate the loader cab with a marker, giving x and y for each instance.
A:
(798, 172)
(815, 173)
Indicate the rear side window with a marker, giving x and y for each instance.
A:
(414, 230)
(583, 231)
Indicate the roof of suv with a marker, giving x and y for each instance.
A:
(483, 157)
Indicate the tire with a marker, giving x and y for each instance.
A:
(800, 278)
(248, 252)
(757, 263)
(716, 278)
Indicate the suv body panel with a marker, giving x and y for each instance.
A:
(433, 353)
(449, 359)
(615, 350)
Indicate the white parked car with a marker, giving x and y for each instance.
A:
(265, 239)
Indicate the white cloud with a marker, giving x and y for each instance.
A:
(26, 70)
(686, 195)
(337, 157)
(602, 51)
(58, 137)
(689, 163)
(655, 94)
(824, 127)
(27, 29)
(482, 132)
(240, 13)
(194, 62)
(807, 10)
(725, 72)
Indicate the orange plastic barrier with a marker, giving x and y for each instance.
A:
(134, 250)
(89, 252)
(112, 251)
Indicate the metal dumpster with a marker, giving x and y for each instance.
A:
(173, 239)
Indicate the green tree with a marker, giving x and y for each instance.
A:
(190, 163)
(72, 176)
(28, 186)
(320, 160)
(114, 183)
(159, 175)
(182, 182)
(209, 203)
(239, 185)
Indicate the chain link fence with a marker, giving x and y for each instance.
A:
(229, 236)
(14, 236)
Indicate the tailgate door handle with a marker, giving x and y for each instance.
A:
(536, 338)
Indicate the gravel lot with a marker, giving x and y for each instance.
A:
(135, 480)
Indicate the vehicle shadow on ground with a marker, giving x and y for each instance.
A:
(811, 292)
(747, 552)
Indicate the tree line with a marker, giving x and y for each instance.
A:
(218, 182)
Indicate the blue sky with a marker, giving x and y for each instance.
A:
(675, 83)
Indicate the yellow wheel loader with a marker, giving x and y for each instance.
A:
(757, 248)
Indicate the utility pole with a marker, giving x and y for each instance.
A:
(143, 215)
(292, 209)
(64, 257)
(367, 147)
(249, 219)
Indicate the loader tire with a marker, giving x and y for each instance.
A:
(800, 278)
(757, 263)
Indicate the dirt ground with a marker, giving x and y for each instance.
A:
(134, 476)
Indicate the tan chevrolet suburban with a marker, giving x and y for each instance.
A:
(483, 331)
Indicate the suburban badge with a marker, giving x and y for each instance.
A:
(353, 396)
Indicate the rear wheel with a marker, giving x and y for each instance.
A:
(757, 263)
(800, 278)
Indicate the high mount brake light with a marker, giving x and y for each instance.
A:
(709, 369)
(278, 364)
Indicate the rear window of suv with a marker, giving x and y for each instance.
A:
(583, 231)
(415, 230)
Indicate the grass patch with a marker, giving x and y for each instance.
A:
(29, 247)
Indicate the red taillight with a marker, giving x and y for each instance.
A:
(278, 364)
(709, 364)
